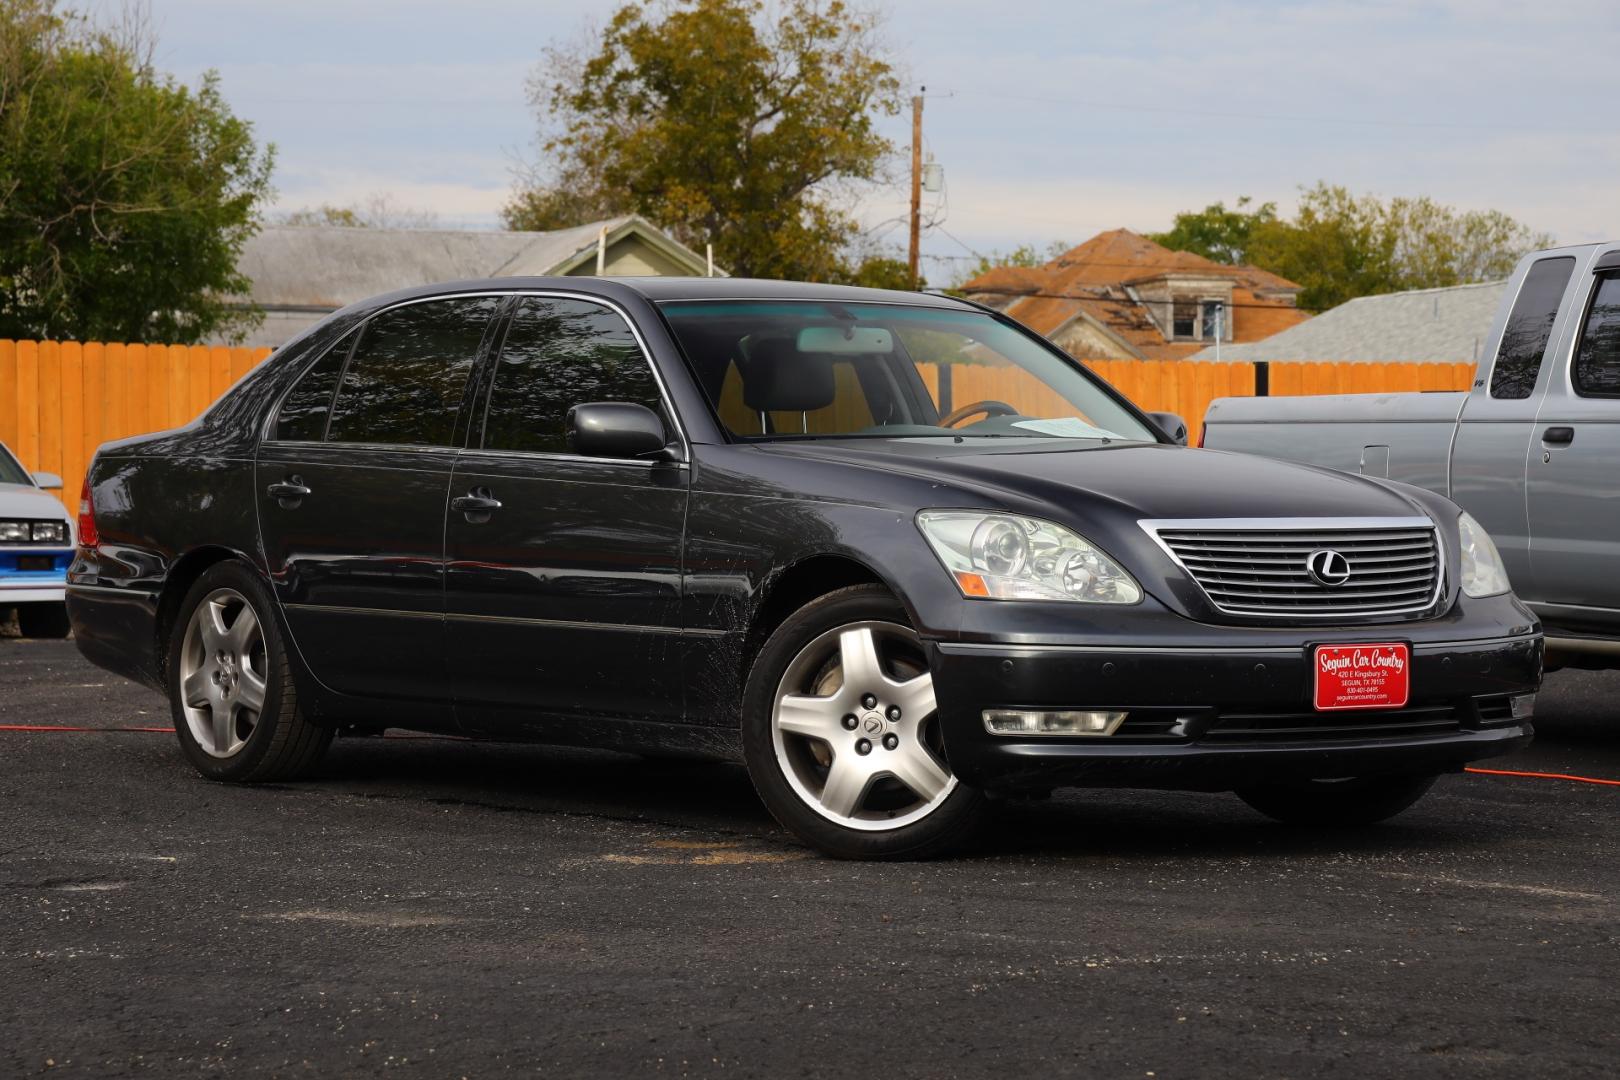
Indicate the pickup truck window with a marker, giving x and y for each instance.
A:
(1597, 361)
(1529, 325)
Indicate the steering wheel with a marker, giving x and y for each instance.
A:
(989, 407)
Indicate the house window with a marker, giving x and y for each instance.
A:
(1184, 320)
(1213, 324)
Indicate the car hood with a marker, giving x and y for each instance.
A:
(24, 500)
(1141, 480)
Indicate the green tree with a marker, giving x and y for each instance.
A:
(725, 123)
(1340, 245)
(1215, 232)
(879, 272)
(125, 197)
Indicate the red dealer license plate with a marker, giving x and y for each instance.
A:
(1362, 676)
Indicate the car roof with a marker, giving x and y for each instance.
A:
(666, 289)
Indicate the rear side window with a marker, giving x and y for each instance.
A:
(557, 354)
(1529, 326)
(1597, 360)
(304, 411)
(404, 383)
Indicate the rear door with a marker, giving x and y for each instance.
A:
(352, 490)
(564, 599)
(1493, 439)
(1574, 471)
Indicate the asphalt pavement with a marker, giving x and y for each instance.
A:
(436, 908)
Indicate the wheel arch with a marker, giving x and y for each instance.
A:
(182, 575)
(800, 582)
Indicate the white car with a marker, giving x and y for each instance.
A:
(36, 546)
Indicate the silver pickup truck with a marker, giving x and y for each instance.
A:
(1532, 451)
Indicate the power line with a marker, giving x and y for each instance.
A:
(1125, 300)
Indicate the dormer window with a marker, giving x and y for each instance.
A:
(1198, 319)
(1184, 320)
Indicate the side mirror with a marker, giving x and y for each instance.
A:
(616, 429)
(48, 480)
(1172, 425)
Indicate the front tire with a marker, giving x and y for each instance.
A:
(1362, 800)
(841, 733)
(230, 684)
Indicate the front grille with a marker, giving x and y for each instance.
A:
(1391, 566)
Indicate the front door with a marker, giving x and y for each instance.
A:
(563, 589)
(1574, 473)
(352, 491)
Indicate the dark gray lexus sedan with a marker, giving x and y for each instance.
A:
(895, 552)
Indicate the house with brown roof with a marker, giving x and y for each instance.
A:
(1120, 296)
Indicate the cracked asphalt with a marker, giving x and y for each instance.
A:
(436, 908)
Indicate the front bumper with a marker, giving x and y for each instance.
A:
(1214, 718)
(21, 583)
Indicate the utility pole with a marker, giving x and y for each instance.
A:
(916, 182)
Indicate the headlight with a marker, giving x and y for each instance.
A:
(50, 530)
(13, 530)
(1482, 570)
(1003, 557)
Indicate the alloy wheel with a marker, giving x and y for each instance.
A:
(855, 731)
(223, 673)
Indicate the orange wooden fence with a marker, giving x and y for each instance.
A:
(60, 400)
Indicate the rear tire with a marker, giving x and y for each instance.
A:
(231, 688)
(881, 789)
(48, 620)
(1362, 800)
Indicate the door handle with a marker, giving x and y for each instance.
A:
(1558, 436)
(289, 492)
(477, 504)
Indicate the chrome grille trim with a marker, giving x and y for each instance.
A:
(1255, 567)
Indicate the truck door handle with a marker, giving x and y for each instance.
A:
(289, 492)
(1558, 436)
(477, 504)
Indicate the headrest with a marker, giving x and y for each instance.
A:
(780, 378)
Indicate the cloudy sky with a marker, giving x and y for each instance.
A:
(1054, 119)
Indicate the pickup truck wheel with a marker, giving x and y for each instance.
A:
(230, 686)
(1361, 800)
(841, 733)
(43, 620)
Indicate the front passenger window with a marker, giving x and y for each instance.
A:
(404, 383)
(560, 353)
(1597, 361)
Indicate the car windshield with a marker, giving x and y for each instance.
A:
(10, 471)
(779, 370)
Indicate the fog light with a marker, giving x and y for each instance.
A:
(1051, 722)
(1523, 706)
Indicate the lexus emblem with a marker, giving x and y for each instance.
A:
(1327, 568)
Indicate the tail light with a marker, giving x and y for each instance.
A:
(88, 537)
(1203, 430)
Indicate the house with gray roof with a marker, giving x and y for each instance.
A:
(1445, 325)
(301, 274)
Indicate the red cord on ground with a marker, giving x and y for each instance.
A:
(32, 728)
(1546, 776)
